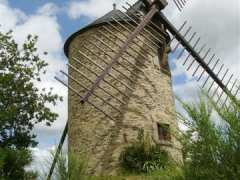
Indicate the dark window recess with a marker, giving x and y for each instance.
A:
(164, 132)
(161, 59)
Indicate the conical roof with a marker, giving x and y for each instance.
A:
(102, 20)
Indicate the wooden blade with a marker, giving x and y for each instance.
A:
(197, 57)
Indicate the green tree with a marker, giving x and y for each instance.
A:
(22, 104)
(211, 145)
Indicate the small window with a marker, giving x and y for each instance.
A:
(164, 132)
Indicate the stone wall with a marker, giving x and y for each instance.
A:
(148, 100)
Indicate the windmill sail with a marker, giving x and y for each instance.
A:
(142, 23)
(229, 87)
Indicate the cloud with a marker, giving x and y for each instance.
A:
(49, 9)
(9, 17)
(46, 28)
(44, 24)
(218, 26)
(93, 8)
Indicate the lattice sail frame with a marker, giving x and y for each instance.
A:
(146, 23)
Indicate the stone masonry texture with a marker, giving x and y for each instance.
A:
(148, 101)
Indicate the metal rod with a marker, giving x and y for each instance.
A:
(188, 47)
(181, 53)
(125, 67)
(141, 33)
(175, 2)
(137, 68)
(225, 101)
(100, 67)
(58, 151)
(145, 30)
(75, 91)
(84, 87)
(118, 22)
(138, 53)
(182, 2)
(194, 59)
(156, 26)
(104, 79)
(181, 27)
(204, 69)
(226, 86)
(148, 26)
(179, 4)
(122, 32)
(214, 81)
(186, 33)
(215, 65)
(196, 43)
(107, 92)
(208, 51)
(154, 9)
(218, 86)
(128, 30)
(237, 91)
(151, 22)
(100, 48)
(225, 74)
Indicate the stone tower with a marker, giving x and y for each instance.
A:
(140, 92)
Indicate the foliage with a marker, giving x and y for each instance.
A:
(12, 163)
(170, 172)
(211, 145)
(69, 166)
(77, 166)
(143, 156)
(61, 171)
(22, 103)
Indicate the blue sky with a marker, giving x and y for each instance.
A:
(68, 25)
(54, 21)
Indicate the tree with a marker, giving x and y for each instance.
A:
(22, 104)
(211, 145)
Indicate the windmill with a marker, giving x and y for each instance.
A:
(119, 81)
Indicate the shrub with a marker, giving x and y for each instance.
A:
(143, 156)
(211, 144)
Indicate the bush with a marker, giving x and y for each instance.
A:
(12, 163)
(211, 145)
(143, 156)
(69, 166)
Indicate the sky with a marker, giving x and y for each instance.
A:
(216, 22)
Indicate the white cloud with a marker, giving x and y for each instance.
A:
(9, 17)
(46, 28)
(93, 8)
(44, 24)
(49, 9)
(218, 26)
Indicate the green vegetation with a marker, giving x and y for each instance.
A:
(22, 104)
(143, 156)
(211, 149)
(69, 166)
(211, 145)
(12, 163)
